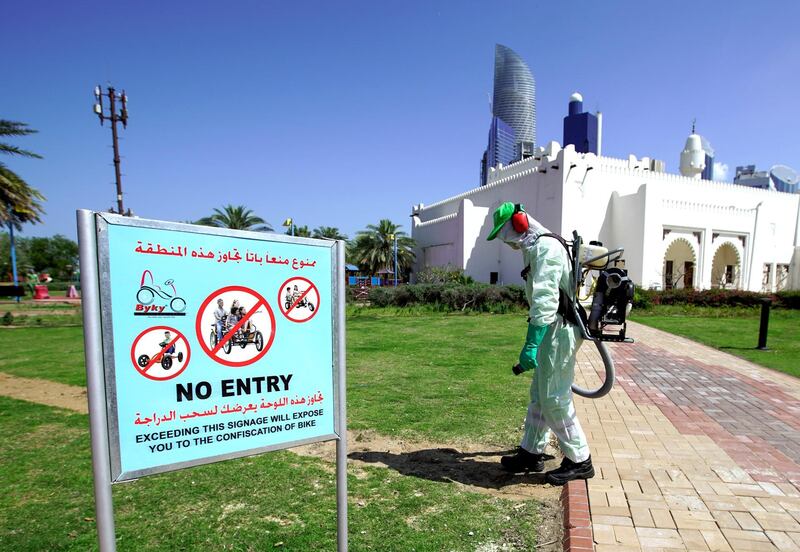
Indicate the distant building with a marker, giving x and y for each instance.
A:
(582, 130)
(513, 105)
(748, 176)
(779, 178)
(784, 179)
(708, 172)
(502, 146)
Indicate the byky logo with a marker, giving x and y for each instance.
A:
(154, 300)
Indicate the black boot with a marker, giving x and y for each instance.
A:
(570, 470)
(523, 461)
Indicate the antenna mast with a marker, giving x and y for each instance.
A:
(114, 117)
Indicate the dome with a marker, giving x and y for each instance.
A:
(694, 143)
(576, 97)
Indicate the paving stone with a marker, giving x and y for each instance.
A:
(783, 542)
(746, 521)
(693, 449)
(770, 521)
(715, 540)
(693, 539)
(603, 534)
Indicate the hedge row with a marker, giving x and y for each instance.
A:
(644, 298)
(450, 297)
(489, 298)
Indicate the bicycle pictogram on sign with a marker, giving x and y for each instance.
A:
(235, 326)
(160, 353)
(298, 299)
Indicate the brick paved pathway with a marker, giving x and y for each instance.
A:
(696, 449)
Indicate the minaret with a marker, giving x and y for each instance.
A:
(693, 157)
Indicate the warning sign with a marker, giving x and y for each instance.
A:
(160, 353)
(235, 326)
(298, 299)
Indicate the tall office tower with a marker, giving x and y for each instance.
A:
(785, 179)
(502, 143)
(708, 172)
(514, 96)
(513, 104)
(582, 130)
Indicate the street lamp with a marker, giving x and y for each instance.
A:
(393, 237)
(289, 223)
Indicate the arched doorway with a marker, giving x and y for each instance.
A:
(726, 269)
(679, 265)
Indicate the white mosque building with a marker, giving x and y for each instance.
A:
(678, 230)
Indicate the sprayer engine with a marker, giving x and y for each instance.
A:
(611, 304)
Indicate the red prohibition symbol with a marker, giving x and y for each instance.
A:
(160, 353)
(235, 326)
(298, 299)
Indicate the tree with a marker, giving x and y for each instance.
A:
(236, 218)
(373, 248)
(19, 202)
(329, 232)
(57, 255)
(301, 231)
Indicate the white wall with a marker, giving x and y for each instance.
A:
(619, 202)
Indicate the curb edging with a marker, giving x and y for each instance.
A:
(578, 535)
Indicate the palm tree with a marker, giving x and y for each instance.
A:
(19, 202)
(328, 232)
(236, 218)
(301, 231)
(373, 248)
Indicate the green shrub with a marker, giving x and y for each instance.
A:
(644, 298)
(380, 296)
(443, 275)
(7, 319)
(787, 299)
(451, 297)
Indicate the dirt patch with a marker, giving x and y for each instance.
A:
(71, 397)
(471, 466)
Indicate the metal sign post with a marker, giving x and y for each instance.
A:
(189, 358)
(341, 444)
(95, 381)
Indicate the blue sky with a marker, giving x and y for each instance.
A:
(342, 113)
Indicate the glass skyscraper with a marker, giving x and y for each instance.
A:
(513, 110)
(514, 96)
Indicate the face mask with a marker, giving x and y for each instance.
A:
(510, 236)
(517, 240)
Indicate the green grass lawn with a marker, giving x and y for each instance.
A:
(276, 500)
(437, 376)
(734, 331)
(432, 376)
(54, 354)
(429, 376)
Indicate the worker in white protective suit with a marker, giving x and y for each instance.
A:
(549, 352)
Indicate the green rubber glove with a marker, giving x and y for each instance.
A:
(527, 358)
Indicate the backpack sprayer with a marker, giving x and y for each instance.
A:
(611, 302)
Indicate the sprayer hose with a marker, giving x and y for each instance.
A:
(603, 390)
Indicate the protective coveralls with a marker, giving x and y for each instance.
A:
(551, 343)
